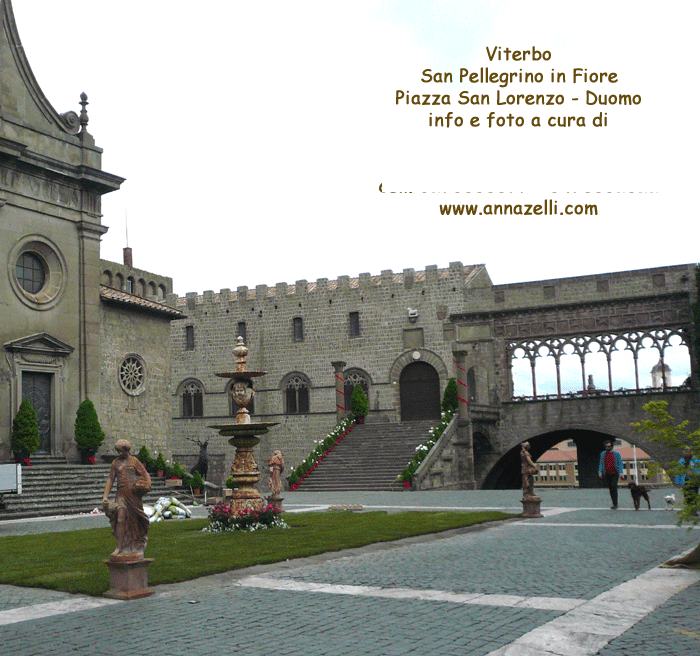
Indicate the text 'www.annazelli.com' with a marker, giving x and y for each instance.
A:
(547, 208)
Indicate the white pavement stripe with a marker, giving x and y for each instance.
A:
(671, 527)
(585, 630)
(511, 601)
(72, 605)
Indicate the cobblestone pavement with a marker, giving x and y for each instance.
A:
(582, 580)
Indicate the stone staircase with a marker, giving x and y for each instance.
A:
(52, 486)
(369, 458)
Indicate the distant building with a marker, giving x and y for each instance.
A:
(558, 467)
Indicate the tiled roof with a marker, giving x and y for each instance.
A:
(117, 296)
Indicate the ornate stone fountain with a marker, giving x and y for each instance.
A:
(244, 434)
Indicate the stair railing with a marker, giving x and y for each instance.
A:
(427, 464)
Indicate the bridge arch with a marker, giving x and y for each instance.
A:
(505, 474)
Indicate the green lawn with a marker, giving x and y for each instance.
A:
(72, 561)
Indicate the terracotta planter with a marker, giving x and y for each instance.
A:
(195, 491)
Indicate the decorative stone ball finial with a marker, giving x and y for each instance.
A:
(83, 112)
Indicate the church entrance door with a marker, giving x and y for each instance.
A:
(419, 386)
(36, 386)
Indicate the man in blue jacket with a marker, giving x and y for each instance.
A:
(610, 470)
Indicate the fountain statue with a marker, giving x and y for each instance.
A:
(244, 434)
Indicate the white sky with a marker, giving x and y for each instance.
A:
(276, 121)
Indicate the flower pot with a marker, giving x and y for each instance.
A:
(22, 457)
(195, 491)
(87, 456)
(159, 473)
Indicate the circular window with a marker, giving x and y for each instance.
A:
(31, 273)
(132, 375)
(36, 270)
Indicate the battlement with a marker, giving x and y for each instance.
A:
(457, 273)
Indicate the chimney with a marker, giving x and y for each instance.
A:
(128, 260)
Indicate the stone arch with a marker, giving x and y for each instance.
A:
(423, 355)
(411, 357)
(151, 289)
(106, 278)
(118, 281)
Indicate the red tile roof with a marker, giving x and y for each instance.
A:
(119, 297)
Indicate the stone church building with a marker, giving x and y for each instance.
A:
(75, 326)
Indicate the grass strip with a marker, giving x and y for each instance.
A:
(72, 561)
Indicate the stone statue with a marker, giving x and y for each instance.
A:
(129, 521)
(529, 469)
(276, 465)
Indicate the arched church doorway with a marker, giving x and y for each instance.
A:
(419, 388)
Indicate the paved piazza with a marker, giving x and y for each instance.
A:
(583, 580)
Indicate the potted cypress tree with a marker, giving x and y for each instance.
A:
(196, 482)
(359, 404)
(88, 432)
(25, 433)
(450, 398)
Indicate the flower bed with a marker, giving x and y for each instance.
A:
(322, 449)
(223, 518)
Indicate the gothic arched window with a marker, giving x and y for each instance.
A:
(296, 395)
(192, 399)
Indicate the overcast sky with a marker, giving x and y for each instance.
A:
(254, 136)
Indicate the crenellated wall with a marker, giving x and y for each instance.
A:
(386, 334)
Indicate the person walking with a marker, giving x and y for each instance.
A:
(610, 470)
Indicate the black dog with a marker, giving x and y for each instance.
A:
(637, 492)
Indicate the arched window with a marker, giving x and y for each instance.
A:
(192, 399)
(296, 394)
(161, 292)
(152, 289)
(107, 278)
(118, 281)
(352, 378)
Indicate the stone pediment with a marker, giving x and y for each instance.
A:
(21, 95)
(39, 344)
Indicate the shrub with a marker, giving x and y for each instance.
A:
(359, 403)
(25, 429)
(196, 482)
(159, 463)
(449, 398)
(88, 432)
(144, 458)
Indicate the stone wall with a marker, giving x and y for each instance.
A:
(387, 336)
(144, 418)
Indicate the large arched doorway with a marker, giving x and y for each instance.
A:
(419, 387)
(505, 474)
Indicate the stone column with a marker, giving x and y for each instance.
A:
(338, 368)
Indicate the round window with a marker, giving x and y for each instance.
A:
(31, 272)
(132, 375)
(36, 270)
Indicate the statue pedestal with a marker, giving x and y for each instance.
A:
(128, 579)
(275, 501)
(531, 507)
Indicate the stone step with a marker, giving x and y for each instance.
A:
(369, 458)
